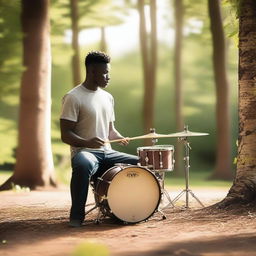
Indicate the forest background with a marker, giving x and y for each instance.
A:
(199, 92)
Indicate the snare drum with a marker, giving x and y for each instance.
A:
(129, 193)
(158, 157)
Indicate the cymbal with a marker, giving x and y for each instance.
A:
(154, 135)
(186, 133)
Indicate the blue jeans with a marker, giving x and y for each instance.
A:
(87, 164)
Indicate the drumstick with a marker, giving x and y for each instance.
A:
(117, 140)
(127, 138)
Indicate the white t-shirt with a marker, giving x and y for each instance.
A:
(92, 110)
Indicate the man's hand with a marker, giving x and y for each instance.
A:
(95, 142)
(125, 141)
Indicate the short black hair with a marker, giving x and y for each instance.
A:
(96, 57)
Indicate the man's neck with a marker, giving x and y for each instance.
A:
(90, 86)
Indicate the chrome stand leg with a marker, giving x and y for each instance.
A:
(93, 208)
(161, 175)
(166, 194)
(162, 213)
(187, 191)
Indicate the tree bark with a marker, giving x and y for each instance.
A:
(149, 62)
(244, 186)
(179, 118)
(34, 162)
(223, 155)
(75, 43)
(103, 42)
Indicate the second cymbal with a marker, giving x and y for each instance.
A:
(186, 133)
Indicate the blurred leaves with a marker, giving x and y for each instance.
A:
(92, 14)
(230, 12)
(10, 41)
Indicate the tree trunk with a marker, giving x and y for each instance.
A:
(34, 162)
(149, 60)
(223, 157)
(179, 119)
(103, 42)
(145, 62)
(75, 44)
(244, 186)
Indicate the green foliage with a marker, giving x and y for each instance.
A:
(198, 179)
(10, 41)
(230, 13)
(235, 6)
(8, 133)
(90, 14)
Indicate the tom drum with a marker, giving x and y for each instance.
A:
(158, 157)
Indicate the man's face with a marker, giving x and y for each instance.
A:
(101, 74)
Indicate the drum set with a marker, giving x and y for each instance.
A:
(133, 193)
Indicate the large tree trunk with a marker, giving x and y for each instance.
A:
(223, 157)
(179, 11)
(34, 163)
(149, 59)
(75, 44)
(103, 42)
(145, 63)
(149, 104)
(244, 186)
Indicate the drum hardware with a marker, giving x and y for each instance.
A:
(183, 136)
(161, 177)
(99, 178)
(153, 140)
(160, 160)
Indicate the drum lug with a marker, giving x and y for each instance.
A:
(99, 178)
(97, 222)
(160, 160)
(103, 198)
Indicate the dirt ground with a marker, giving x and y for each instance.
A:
(35, 223)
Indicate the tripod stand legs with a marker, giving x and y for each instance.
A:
(166, 194)
(187, 191)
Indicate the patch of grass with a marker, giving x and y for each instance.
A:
(196, 179)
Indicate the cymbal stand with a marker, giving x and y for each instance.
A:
(187, 191)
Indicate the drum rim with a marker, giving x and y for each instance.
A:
(156, 148)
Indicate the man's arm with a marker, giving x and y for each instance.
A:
(114, 134)
(68, 136)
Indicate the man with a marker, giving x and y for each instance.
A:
(87, 123)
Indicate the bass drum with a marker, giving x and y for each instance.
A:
(129, 193)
